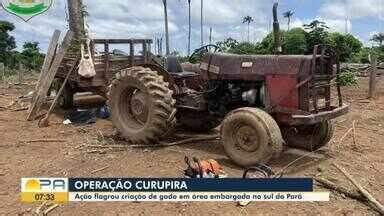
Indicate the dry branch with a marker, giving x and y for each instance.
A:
(50, 209)
(99, 170)
(364, 192)
(332, 186)
(20, 109)
(43, 140)
(189, 140)
(345, 135)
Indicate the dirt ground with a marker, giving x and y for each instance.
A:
(71, 158)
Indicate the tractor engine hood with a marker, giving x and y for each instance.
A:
(253, 67)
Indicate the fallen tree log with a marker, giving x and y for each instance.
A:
(364, 192)
(332, 186)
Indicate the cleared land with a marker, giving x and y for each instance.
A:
(18, 158)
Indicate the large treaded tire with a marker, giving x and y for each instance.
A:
(309, 137)
(251, 136)
(158, 103)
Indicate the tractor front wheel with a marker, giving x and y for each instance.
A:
(141, 104)
(251, 136)
(309, 137)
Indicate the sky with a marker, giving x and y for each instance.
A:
(144, 19)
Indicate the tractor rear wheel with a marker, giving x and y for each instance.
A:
(309, 137)
(141, 104)
(251, 136)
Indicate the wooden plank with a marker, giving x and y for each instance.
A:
(43, 90)
(372, 80)
(47, 60)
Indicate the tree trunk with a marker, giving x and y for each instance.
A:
(248, 32)
(167, 52)
(202, 23)
(76, 22)
(289, 22)
(190, 27)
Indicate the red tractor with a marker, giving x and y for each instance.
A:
(262, 102)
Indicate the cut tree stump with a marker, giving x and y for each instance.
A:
(49, 76)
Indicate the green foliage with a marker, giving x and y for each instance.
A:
(378, 38)
(348, 77)
(295, 42)
(244, 48)
(7, 42)
(344, 45)
(31, 57)
(228, 44)
(362, 56)
(317, 34)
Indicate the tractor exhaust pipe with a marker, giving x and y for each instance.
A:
(276, 30)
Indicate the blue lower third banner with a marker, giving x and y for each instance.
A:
(168, 189)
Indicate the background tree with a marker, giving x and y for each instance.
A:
(31, 57)
(7, 42)
(345, 45)
(317, 34)
(167, 49)
(248, 20)
(295, 42)
(288, 15)
(228, 44)
(378, 38)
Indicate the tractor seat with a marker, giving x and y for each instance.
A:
(173, 66)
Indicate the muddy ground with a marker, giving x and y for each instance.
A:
(72, 158)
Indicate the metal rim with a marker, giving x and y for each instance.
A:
(134, 105)
(246, 138)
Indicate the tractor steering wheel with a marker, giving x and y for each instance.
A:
(198, 53)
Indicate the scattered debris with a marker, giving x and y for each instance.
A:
(83, 116)
(67, 122)
(20, 109)
(44, 141)
(26, 98)
(332, 186)
(96, 152)
(99, 170)
(364, 192)
(40, 207)
(48, 210)
(185, 141)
